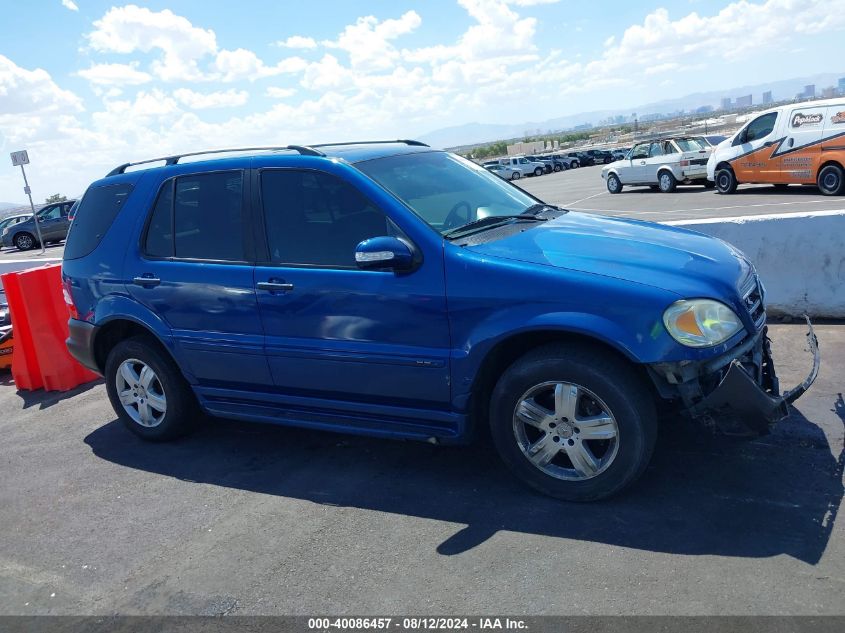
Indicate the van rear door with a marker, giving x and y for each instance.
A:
(799, 154)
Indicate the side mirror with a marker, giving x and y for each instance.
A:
(386, 252)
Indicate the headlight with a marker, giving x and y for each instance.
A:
(700, 322)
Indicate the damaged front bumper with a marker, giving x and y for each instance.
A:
(736, 393)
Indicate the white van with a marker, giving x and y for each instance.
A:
(799, 143)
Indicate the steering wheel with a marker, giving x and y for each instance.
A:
(453, 220)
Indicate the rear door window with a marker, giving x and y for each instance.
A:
(199, 217)
(96, 213)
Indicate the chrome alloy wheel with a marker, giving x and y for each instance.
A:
(565, 431)
(141, 393)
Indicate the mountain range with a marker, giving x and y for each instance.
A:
(473, 133)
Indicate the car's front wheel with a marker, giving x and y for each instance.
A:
(726, 180)
(557, 167)
(614, 185)
(148, 392)
(515, 175)
(538, 171)
(24, 241)
(573, 422)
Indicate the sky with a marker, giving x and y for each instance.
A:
(89, 84)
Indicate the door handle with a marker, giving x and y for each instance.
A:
(642, 162)
(790, 142)
(274, 286)
(146, 281)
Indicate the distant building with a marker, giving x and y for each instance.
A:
(704, 109)
(829, 92)
(726, 103)
(810, 91)
(744, 101)
(842, 85)
(767, 97)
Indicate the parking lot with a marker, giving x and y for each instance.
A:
(583, 189)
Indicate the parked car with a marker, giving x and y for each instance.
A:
(600, 156)
(399, 291)
(503, 171)
(798, 143)
(548, 163)
(556, 161)
(8, 222)
(567, 162)
(584, 159)
(52, 221)
(662, 164)
(524, 166)
(620, 153)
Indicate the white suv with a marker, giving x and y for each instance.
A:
(660, 164)
(524, 166)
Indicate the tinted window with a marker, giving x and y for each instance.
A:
(761, 127)
(159, 242)
(50, 213)
(315, 218)
(96, 213)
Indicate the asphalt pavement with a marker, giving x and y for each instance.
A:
(256, 519)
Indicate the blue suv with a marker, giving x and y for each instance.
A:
(393, 290)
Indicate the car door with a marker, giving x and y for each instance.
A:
(334, 331)
(754, 162)
(635, 170)
(49, 222)
(195, 272)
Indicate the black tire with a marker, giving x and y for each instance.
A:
(608, 160)
(831, 181)
(726, 181)
(182, 411)
(575, 164)
(666, 181)
(515, 175)
(538, 171)
(627, 397)
(557, 167)
(614, 185)
(25, 241)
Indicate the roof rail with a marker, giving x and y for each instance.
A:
(173, 160)
(398, 140)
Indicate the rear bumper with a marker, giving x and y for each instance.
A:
(737, 393)
(80, 343)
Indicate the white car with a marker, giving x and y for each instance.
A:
(660, 164)
(503, 171)
(524, 166)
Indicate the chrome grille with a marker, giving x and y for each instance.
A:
(752, 298)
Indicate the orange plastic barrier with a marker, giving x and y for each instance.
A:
(39, 318)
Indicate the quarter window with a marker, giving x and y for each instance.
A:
(199, 217)
(314, 218)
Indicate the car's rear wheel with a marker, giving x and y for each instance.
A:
(614, 185)
(573, 422)
(726, 180)
(148, 392)
(666, 182)
(557, 167)
(830, 180)
(575, 164)
(24, 241)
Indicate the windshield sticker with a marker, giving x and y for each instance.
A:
(837, 118)
(800, 119)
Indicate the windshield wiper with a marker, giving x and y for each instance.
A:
(489, 222)
(536, 209)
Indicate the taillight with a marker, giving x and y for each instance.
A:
(685, 163)
(68, 295)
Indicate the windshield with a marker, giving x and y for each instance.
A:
(445, 190)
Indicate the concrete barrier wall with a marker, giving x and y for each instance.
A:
(800, 257)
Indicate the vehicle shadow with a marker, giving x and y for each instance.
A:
(700, 496)
(46, 399)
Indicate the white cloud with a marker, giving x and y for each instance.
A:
(70, 4)
(115, 74)
(530, 3)
(297, 41)
(368, 41)
(275, 92)
(203, 101)
(32, 92)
